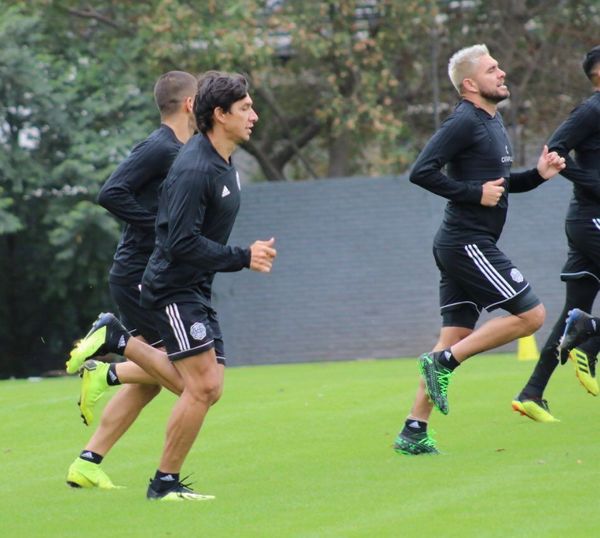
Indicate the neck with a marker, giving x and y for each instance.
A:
(181, 125)
(482, 103)
(224, 146)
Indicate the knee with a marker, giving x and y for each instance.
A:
(208, 392)
(217, 393)
(533, 319)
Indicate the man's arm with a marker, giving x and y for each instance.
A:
(146, 161)
(454, 136)
(187, 197)
(580, 124)
(549, 164)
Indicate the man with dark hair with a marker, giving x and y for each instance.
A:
(579, 133)
(198, 204)
(131, 194)
(475, 274)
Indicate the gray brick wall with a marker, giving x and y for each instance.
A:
(355, 277)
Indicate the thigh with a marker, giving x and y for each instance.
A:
(137, 320)
(486, 276)
(186, 330)
(213, 321)
(457, 307)
(583, 260)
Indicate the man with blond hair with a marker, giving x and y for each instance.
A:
(473, 145)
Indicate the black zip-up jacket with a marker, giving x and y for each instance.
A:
(198, 204)
(580, 133)
(475, 148)
(131, 194)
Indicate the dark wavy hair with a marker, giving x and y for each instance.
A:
(217, 90)
(591, 60)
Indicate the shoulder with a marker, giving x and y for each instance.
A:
(591, 104)
(463, 119)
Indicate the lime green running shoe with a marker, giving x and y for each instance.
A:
(85, 474)
(534, 408)
(436, 377)
(415, 444)
(107, 335)
(585, 370)
(177, 492)
(93, 386)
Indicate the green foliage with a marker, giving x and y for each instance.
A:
(351, 87)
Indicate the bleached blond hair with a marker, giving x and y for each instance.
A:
(463, 62)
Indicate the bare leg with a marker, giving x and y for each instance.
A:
(156, 363)
(499, 331)
(203, 384)
(119, 414)
(130, 373)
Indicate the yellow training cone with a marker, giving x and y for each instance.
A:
(527, 349)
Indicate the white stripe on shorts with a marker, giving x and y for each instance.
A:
(177, 326)
(596, 222)
(489, 271)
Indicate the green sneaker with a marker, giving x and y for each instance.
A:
(415, 444)
(85, 474)
(534, 408)
(436, 379)
(93, 386)
(177, 492)
(107, 335)
(585, 370)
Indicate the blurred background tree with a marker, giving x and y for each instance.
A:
(342, 88)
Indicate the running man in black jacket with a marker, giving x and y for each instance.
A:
(473, 145)
(579, 133)
(197, 207)
(131, 194)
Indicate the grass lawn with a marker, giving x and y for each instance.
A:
(305, 451)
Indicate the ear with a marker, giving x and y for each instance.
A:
(189, 104)
(469, 85)
(219, 115)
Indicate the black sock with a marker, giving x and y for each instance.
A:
(412, 425)
(88, 455)
(447, 360)
(163, 481)
(111, 375)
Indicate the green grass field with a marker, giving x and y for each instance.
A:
(305, 451)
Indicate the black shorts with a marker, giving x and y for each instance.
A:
(189, 329)
(476, 276)
(136, 319)
(584, 250)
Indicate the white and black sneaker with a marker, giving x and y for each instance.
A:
(178, 491)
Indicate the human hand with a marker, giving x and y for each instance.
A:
(550, 163)
(491, 192)
(262, 255)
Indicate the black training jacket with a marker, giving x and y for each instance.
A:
(131, 194)
(475, 148)
(198, 204)
(580, 133)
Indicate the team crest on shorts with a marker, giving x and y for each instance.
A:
(198, 331)
(516, 275)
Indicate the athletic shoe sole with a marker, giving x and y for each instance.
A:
(533, 411)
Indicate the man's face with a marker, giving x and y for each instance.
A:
(240, 120)
(489, 79)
